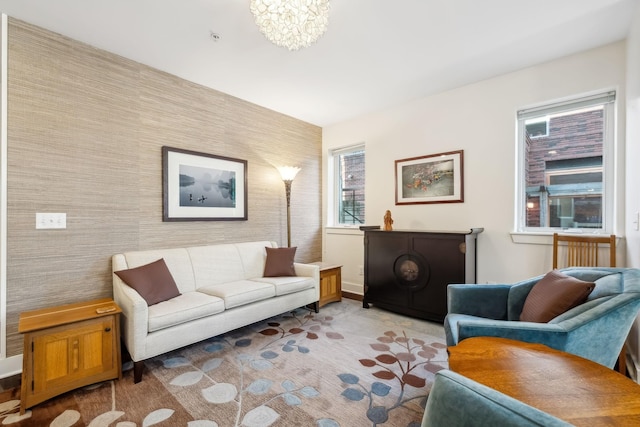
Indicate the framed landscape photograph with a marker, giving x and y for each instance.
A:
(436, 178)
(203, 187)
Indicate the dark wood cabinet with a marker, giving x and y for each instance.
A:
(408, 271)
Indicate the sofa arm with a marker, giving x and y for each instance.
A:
(488, 301)
(310, 270)
(135, 313)
(307, 270)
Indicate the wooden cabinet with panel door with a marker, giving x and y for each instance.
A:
(67, 347)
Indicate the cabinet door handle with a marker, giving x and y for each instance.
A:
(75, 355)
(107, 329)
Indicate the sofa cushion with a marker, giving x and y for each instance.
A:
(279, 262)
(553, 295)
(178, 262)
(253, 257)
(240, 292)
(216, 264)
(184, 308)
(152, 281)
(288, 285)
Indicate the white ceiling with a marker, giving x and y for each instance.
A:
(375, 53)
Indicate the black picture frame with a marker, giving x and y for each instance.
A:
(203, 187)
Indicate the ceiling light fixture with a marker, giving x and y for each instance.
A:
(291, 23)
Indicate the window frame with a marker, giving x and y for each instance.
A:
(608, 100)
(335, 179)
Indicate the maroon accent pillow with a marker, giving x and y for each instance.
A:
(279, 262)
(152, 281)
(553, 295)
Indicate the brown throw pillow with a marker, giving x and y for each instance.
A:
(279, 262)
(152, 281)
(553, 295)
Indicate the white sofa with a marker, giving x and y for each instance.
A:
(221, 288)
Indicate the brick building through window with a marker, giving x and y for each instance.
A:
(348, 185)
(564, 169)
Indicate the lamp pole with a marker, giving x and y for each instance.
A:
(288, 173)
(287, 189)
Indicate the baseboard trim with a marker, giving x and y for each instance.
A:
(11, 366)
(351, 295)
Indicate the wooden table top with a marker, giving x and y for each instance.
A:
(326, 265)
(55, 316)
(569, 387)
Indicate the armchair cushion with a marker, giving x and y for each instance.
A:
(553, 295)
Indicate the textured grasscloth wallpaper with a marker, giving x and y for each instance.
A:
(85, 131)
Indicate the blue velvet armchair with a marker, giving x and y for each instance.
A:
(595, 330)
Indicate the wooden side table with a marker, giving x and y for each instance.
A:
(330, 282)
(67, 347)
(574, 389)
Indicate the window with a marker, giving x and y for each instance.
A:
(537, 128)
(348, 185)
(566, 165)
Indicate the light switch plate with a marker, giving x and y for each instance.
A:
(51, 220)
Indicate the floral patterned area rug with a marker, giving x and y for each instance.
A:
(345, 366)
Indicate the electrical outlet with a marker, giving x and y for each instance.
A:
(361, 270)
(51, 220)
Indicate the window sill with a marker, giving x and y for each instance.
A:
(544, 238)
(532, 238)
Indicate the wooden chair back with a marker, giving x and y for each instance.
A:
(582, 251)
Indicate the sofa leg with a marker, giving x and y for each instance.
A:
(138, 368)
(315, 306)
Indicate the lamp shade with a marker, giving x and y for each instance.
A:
(288, 172)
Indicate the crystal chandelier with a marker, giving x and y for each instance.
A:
(291, 23)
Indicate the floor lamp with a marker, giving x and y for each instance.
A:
(288, 173)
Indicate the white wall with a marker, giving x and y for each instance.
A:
(479, 119)
(633, 172)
